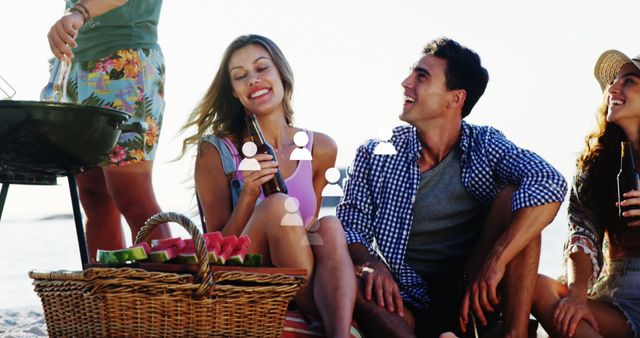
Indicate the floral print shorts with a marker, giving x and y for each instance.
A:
(131, 80)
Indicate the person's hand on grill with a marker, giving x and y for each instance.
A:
(62, 33)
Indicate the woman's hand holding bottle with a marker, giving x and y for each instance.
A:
(253, 179)
(631, 206)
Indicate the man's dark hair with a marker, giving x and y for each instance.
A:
(463, 71)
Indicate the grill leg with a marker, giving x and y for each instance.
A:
(77, 216)
(3, 196)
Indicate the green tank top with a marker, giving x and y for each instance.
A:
(132, 25)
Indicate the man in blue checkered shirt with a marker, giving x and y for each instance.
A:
(455, 200)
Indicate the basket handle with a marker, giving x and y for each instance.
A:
(204, 276)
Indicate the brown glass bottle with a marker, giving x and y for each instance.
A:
(276, 184)
(627, 178)
(471, 330)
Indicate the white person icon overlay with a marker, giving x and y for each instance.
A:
(332, 189)
(301, 153)
(292, 217)
(249, 163)
(385, 147)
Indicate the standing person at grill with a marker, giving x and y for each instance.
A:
(255, 78)
(455, 199)
(116, 62)
(601, 294)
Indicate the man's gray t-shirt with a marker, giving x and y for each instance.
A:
(447, 221)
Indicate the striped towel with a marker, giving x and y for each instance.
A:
(297, 325)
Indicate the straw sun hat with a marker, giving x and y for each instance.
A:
(609, 64)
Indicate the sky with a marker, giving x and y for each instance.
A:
(348, 59)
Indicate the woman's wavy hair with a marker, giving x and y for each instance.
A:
(219, 112)
(598, 164)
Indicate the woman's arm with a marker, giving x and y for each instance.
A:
(324, 155)
(212, 186)
(574, 307)
(213, 190)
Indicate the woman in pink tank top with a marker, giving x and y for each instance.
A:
(254, 78)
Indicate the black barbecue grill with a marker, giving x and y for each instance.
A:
(40, 141)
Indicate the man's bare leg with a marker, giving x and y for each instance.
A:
(518, 284)
(376, 321)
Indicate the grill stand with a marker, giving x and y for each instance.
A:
(3, 196)
(77, 216)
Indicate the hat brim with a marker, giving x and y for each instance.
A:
(608, 66)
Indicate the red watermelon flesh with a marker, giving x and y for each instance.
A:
(187, 254)
(228, 244)
(167, 243)
(166, 249)
(189, 247)
(240, 251)
(214, 242)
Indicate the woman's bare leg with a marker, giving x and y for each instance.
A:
(334, 283)
(282, 245)
(330, 290)
(548, 294)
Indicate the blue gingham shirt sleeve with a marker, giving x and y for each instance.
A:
(355, 208)
(538, 182)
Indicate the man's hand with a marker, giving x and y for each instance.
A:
(569, 312)
(481, 294)
(62, 35)
(380, 284)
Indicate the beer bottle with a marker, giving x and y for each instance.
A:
(276, 184)
(471, 330)
(627, 178)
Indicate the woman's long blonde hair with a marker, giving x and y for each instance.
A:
(219, 112)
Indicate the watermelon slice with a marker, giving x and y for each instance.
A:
(159, 256)
(165, 249)
(134, 253)
(226, 248)
(240, 251)
(213, 240)
(144, 245)
(187, 255)
(167, 243)
(187, 258)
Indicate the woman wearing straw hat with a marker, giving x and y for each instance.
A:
(601, 294)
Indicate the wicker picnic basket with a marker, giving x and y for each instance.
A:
(118, 302)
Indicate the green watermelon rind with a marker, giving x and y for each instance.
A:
(187, 259)
(252, 260)
(234, 261)
(121, 256)
(159, 256)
